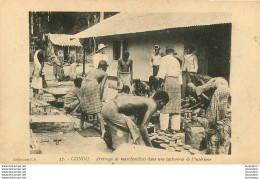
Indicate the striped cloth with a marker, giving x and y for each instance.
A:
(90, 102)
(173, 88)
(219, 102)
(124, 79)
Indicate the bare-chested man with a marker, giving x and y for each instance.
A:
(130, 115)
(124, 71)
(92, 89)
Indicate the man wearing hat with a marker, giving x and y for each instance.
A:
(190, 65)
(92, 90)
(170, 72)
(155, 62)
(101, 55)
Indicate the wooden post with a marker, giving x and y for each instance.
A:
(101, 16)
(84, 61)
(75, 54)
(31, 19)
(121, 48)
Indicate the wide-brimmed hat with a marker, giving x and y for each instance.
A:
(171, 48)
(100, 47)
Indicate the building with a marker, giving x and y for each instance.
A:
(210, 33)
(67, 48)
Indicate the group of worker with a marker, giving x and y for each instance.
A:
(38, 75)
(130, 112)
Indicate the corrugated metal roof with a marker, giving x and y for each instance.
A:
(63, 40)
(126, 23)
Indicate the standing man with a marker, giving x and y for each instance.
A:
(155, 61)
(92, 90)
(169, 72)
(101, 55)
(124, 71)
(37, 84)
(190, 65)
(72, 70)
(56, 65)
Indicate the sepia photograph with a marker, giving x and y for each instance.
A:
(139, 82)
(130, 82)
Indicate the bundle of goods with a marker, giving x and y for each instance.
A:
(47, 97)
(171, 142)
(199, 79)
(218, 139)
(38, 107)
(195, 133)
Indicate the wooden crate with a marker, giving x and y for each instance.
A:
(53, 123)
(38, 107)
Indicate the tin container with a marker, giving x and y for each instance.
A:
(156, 143)
(166, 141)
(179, 149)
(180, 144)
(187, 147)
(178, 139)
(193, 151)
(173, 144)
(164, 145)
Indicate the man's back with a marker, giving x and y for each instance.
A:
(132, 105)
(72, 95)
(96, 74)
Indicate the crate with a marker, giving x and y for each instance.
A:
(38, 107)
(54, 123)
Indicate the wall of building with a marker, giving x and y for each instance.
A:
(141, 47)
(212, 45)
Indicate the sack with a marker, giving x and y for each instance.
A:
(195, 135)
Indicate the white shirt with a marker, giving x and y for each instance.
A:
(98, 57)
(36, 79)
(156, 59)
(72, 71)
(170, 66)
(190, 63)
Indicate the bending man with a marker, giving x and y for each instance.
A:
(92, 90)
(127, 115)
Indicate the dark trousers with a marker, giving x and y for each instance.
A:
(153, 82)
(155, 70)
(185, 80)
